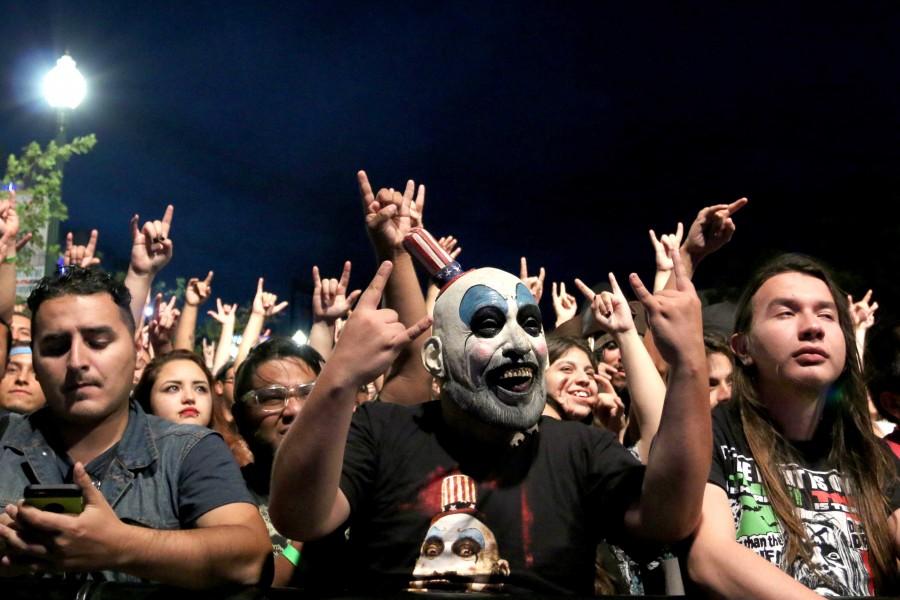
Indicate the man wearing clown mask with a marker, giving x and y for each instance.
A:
(547, 491)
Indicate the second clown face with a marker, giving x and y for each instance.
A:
(489, 348)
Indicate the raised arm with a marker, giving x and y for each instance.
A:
(648, 392)
(389, 216)
(661, 247)
(306, 502)
(711, 230)
(564, 304)
(162, 325)
(151, 250)
(225, 314)
(265, 305)
(196, 292)
(330, 302)
(863, 315)
(679, 460)
(535, 283)
(9, 229)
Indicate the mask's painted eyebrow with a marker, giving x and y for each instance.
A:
(479, 296)
(524, 296)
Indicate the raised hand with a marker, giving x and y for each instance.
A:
(862, 312)
(82, 256)
(197, 292)
(209, 353)
(564, 304)
(611, 310)
(224, 313)
(417, 206)
(449, 244)
(373, 337)
(330, 299)
(162, 325)
(264, 303)
(662, 246)
(712, 229)
(609, 412)
(151, 248)
(673, 315)
(387, 214)
(9, 219)
(535, 284)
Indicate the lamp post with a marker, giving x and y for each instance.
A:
(64, 88)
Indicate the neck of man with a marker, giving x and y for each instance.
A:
(468, 427)
(86, 441)
(550, 410)
(797, 411)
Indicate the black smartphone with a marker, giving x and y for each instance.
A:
(59, 498)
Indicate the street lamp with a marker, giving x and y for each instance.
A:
(64, 88)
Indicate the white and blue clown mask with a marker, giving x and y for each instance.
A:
(489, 350)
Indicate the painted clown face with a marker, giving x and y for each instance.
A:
(489, 349)
(459, 544)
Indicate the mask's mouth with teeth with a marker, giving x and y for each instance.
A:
(512, 379)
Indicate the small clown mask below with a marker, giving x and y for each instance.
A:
(459, 550)
(488, 348)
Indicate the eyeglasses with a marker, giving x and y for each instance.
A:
(274, 398)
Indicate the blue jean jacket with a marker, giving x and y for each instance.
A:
(141, 484)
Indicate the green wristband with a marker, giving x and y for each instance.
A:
(292, 554)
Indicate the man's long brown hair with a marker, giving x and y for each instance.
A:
(856, 453)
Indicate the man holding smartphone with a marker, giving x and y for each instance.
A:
(161, 501)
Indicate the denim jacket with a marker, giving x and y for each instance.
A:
(141, 483)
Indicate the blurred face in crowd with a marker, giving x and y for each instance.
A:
(21, 328)
(182, 394)
(281, 390)
(611, 355)
(489, 349)
(570, 382)
(225, 388)
(84, 356)
(19, 389)
(720, 369)
(795, 337)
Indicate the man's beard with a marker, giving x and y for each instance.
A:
(486, 407)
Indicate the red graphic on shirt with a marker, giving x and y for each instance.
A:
(527, 522)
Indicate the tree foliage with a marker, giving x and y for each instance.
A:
(40, 171)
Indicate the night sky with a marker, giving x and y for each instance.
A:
(561, 131)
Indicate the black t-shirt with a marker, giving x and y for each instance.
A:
(541, 507)
(840, 551)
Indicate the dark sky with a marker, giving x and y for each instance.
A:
(558, 130)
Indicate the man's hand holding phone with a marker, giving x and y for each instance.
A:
(34, 540)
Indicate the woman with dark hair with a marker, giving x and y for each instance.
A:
(270, 389)
(802, 495)
(178, 387)
(571, 380)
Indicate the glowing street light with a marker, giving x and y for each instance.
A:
(64, 86)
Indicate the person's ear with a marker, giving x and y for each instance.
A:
(739, 345)
(433, 357)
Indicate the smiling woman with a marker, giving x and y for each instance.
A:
(177, 387)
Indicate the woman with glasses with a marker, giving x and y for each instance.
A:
(270, 389)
